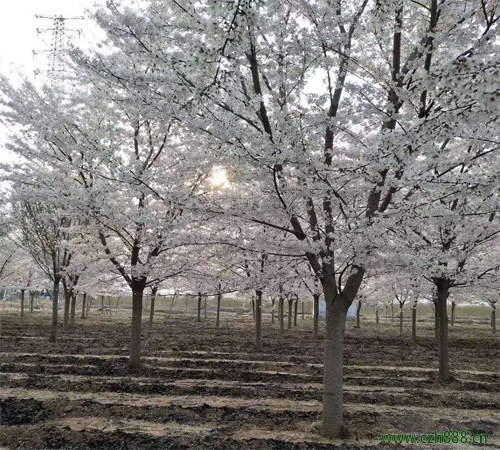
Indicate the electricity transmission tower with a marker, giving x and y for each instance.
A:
(59, 39)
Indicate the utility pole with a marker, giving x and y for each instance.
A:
(59, 39)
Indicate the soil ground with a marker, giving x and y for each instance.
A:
(207, 388)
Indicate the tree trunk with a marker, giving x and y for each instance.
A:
(67, 301)
(152, 308)
(315, 316)
(442, 297)
(303, 315)
(281, 312)
(84, 304)
(376, 316)
(73, 311)
(392, 312)
(414, 323)
(358, 314)
(258, 320)
(290, 313)
(135, 342)
(333, 405)
(55, 307)
(494, 319)
(217, 321)
(453, 313)
(205, 307)
(272, 309)
(22, 302)
(198, 319)
(253, 309)
(401, 305)
(295, 312)
(102, 302)
(32, 302)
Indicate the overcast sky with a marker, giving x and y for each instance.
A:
(19, 37)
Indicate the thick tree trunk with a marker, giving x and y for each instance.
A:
(333, 405)
(258, 320)
(67, 301)
(84, 305)
(315, 316)
(453, 313)
(442, 297)
(272, 309)
(55, 307)
(376, 316)
(295, 312)
(253, 309)
(152, 309)
(401, 305)
(358, 314)
(281, 312)
(217, 321)
(22, 302)
(198, 319)
(494, 319)
(135, 341)
(303, 314)
(73, 311)
(414, 323)
(290, 313)
(32, 302)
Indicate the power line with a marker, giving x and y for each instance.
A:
(59, 39)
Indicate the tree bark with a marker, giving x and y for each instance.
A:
(253, 309)
(453, 313)
(135, 341)
(217, 321)
(358, 314)
(315, 316)
(414, 323)
(102, 303)
(295, 312)
(67, 301)
(401, 305)
(198, 319)
(73, 311)
(303, 315)
(281, 312)
(273, 301)
(442, 297)
(22, 302)
(290, 313)
(84, 305)
(32, 302)
(258, 320)
(494, 319)
(392, 312)
(333, 405)
(205, 307)
(152, 308)
(55, 307)
(376, 316)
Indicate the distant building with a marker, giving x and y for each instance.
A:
(351, 313)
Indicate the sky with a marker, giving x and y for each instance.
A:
(19, 37)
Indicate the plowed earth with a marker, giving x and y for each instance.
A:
(207, 388)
